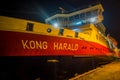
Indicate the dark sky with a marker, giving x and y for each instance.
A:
(39, 10)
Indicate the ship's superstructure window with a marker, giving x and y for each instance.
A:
(29, 27)
(61, 32)
(76, 16)
(71, 18)
(95, 12)
(88, 14)
(82, 16)
(76, 34)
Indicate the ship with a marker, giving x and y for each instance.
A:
(67, 43)
(79, 33)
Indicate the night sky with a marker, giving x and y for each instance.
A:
(39, 10)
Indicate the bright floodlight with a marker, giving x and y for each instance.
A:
(92, 20)
(77, 30)
(55, 25)
(79, 23)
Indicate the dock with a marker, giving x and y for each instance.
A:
(109, 71)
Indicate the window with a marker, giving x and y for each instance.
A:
(97, 37)
(76, 34)
(76, 16)
(54, 20)
(95, 12)
(60, 18)
(88, 14)
(65, 19)
(61, 31)
(29, 27)
(82, 15)
(71, 18)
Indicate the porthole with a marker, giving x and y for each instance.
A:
(49, 30)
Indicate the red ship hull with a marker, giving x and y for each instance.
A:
(29, 44)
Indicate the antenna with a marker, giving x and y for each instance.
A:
(62, 10)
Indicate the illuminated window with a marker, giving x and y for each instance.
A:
(29, 27)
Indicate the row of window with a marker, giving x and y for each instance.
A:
(49, 30)
(70, 21)
(78, 16)
(83, 16)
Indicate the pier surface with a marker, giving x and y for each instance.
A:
(106, 72)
